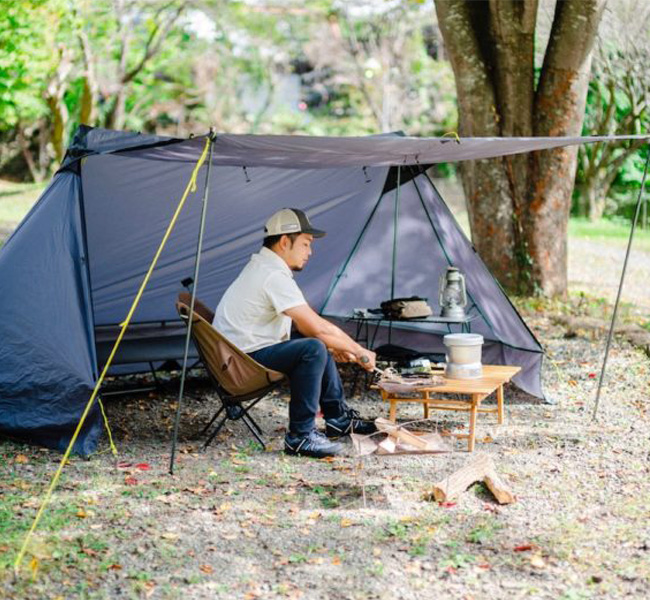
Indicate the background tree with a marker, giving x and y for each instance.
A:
(377, 61)
(35, 67)
(617, 104)
(519, 206)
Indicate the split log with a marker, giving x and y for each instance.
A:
(481, 468)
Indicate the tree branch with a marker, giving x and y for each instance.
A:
(474, 85)
(155, 40)
(561, 92)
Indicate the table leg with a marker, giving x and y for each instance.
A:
(472, 422)
(426, 409)
(392, 414)
(500, 407)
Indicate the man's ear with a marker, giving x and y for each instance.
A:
(283, 242)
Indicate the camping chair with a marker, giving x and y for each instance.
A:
(241, 382)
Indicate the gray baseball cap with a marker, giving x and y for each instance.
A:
(290, 220)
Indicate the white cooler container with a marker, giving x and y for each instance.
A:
(463, 355)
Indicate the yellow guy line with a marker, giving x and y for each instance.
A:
(191, 187)
(107, 427)
(453, 134)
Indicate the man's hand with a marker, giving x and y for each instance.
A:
(368, 360)
(341, 356)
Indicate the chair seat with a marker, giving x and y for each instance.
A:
(239, 379)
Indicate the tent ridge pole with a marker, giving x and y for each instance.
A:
(344, 266)
(188, 333)
(395, 226)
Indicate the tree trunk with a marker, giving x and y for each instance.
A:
(37, 176)
(59, 118)
(519, 205)
(115, 117)
(596, 203)
(90, 93)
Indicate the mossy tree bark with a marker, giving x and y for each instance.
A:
(519, 205)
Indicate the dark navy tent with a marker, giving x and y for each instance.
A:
(70, 271)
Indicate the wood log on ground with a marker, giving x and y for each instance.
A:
(480, 468)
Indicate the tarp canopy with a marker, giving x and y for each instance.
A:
(314, 152)
(71, 270)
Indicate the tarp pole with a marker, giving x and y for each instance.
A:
(188, 333)
(620, 285)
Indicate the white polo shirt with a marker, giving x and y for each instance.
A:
(250, 313)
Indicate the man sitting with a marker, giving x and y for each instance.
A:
(256, 313)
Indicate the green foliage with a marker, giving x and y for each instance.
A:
(30, 32)
(327, 68)
(610, 231)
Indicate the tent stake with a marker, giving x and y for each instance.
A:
(620, 286)
(197, 262)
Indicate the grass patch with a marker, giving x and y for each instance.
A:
(16, 199)
(576, 304)
(610, 232)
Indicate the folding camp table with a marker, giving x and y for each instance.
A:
(474, 392)
(367, 326)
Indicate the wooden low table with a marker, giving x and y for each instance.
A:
(476, 390)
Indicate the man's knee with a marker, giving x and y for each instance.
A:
(314, 349)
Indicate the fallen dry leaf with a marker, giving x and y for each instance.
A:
(537, 561)
(206, 569)
(33, 566)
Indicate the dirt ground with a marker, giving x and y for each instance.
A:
(237, 522)
(595, 268)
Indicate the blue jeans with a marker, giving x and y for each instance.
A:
(313, 377)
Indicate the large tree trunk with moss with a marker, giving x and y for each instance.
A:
(519, 205)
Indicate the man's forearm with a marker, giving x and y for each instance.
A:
(336, 339)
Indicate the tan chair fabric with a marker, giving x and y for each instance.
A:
(234, 370)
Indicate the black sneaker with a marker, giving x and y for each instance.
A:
(349, 422)
(313, 444)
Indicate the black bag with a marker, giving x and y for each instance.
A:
(406, 308)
